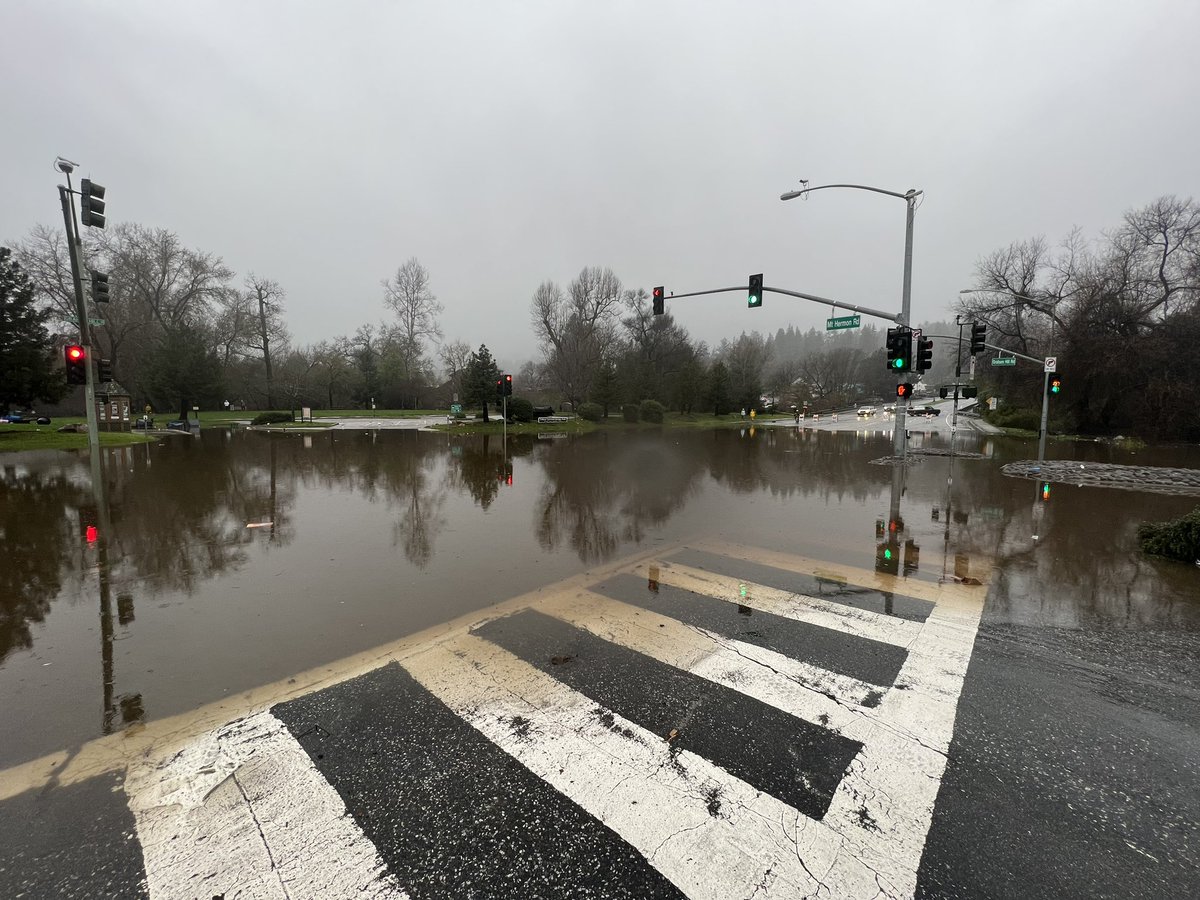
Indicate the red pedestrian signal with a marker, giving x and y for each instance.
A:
(904, 390)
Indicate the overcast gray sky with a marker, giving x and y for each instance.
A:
(505, 143)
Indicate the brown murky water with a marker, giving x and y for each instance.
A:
(238, 558)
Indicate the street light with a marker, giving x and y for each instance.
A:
(909, 197)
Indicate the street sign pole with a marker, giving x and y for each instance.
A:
(1048, 368)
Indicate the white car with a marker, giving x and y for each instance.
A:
(866, 410)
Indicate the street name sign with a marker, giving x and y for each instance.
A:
(1004, 360)
(842, 322)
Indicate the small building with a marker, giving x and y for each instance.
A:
(113, 404)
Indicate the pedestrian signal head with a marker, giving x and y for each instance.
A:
(904, 390)
(1055, 385)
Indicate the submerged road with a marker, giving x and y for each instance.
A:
(713, 721)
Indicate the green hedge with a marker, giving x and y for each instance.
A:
(1178, 539)
(592, 412)
(272, 418)
(652, 411)
(520, 409)
(630, 412)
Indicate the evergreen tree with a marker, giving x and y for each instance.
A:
(28, 369)
(720, 390)
(479, 379)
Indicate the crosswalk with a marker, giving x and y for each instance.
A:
(714, 722)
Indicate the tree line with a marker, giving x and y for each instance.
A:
(183, 329)
(1120, 313)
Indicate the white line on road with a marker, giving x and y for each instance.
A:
(800, 607)
(713, 835)
(243, 812)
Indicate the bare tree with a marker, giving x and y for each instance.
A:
(577, 330)
(454, 356)
(407, 294)
(266, 306)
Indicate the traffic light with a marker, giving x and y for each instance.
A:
(754, 296)
(659, 302)
(91, 207)
(99, 286)
(899, 349)
(1045, 491)
(76, 359)
(105, 372)
(1055, 384)
(925, 355)
(970, 391)
(507, 385)
(904, 390)
(978, 337)
(944, 392)
(89, 522)
(499, 387)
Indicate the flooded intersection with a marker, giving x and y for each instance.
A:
(369, 539)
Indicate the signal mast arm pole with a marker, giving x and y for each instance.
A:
(910, 198)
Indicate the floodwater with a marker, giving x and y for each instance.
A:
(239, 558)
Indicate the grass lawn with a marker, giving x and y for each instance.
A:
(221, 417)
(45, 437)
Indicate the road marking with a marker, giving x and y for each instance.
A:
(243, 812)
(243, 806)
(711, 834)
(801, 607)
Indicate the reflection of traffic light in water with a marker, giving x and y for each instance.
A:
(890, 552)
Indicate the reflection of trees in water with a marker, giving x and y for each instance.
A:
(36, 536)
(606, 488)
(792, 461)
(401, 468)
(180, 513)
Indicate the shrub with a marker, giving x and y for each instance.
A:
(520, 409)
(272, 418)
(652, 411)
(593, 412)
(1179, 539)
(630, 412)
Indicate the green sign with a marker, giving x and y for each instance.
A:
(96, 322)
(1004, 360)
(842, 322)
(455, 409)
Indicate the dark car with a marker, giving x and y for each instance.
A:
(926, 411)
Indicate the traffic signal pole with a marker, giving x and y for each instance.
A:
(85, 330)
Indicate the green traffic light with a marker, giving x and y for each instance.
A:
(752, 300)
(898, 363)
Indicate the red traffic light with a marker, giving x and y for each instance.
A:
(658, 301)
(75, 353)
(91, 533)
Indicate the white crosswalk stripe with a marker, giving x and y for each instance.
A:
(243, 809)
